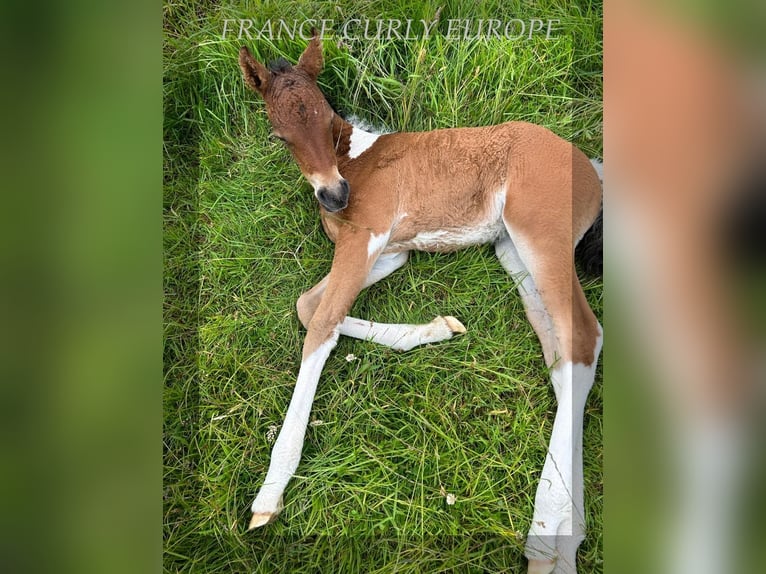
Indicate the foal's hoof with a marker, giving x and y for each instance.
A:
(541, 566)
(453, 324)
(263, 518)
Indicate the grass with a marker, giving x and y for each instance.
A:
(392, 433)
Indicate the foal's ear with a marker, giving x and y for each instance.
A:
(311, 59)
(256, 75)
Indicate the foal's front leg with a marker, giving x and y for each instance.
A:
(401, 337)
(350, 267)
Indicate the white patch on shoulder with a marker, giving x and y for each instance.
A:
(377, 243)
(361, 141)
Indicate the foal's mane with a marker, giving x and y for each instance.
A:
(280, 65)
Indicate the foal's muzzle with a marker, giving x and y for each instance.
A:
(334, 198)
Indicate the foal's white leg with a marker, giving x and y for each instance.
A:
(558, 523)
(323, 325)
(286, 453)
(401, 337)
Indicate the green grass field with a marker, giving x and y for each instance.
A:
(391, 433)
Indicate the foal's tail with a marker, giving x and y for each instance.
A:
(589, 253)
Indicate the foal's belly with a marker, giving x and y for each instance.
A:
(450, 239)
(425, 231)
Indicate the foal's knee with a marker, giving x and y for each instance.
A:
(307, 305)
(303, 314)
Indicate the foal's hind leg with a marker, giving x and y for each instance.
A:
(401, 337)
(571, 340)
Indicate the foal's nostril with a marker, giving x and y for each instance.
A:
(345, 190)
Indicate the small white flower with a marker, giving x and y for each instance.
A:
(350, 357)
(451, 498)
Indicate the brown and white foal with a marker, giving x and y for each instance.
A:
(516, 185)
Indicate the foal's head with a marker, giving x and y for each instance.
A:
(301, 118)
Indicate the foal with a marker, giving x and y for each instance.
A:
(516, 185)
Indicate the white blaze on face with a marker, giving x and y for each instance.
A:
(320, 180)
